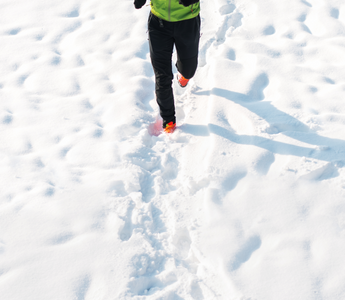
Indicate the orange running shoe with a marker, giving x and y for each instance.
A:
(181, 80)
(170, 127)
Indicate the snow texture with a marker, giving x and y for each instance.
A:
(244, 201)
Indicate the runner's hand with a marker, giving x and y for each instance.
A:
(187, 2)
(139, 3)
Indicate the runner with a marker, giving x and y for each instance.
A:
(172, 22)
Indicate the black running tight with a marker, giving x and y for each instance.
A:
(163, 35)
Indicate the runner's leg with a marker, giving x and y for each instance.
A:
(161, 48)
(187, 36)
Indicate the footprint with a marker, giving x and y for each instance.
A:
(39, 37)
(86, 104)
(306, 3)
(228, 53)
(64, 151)
(144, 157)
(231, 21)
(56, 60)
(147, 188)
(73, 14)
(98, 132)
(302, 18)
(141, 263)
(231, 54)
(125, 231)
(73, 88)
(148, 285)
(14, 31)
(195, 186)
(263, 163)
(231, 180)
(246, 251)
(50, 191)
(269, 30)
(235, 20)
(144, 285)
(170, 166)
(27, 147)
(306, 28)
(227, 9)
(258, 86)
(79, 61)
(22, 79)
(7, 118)
(73, 27)
(203, 52)
(312, 89)
(145, 265)
(82, 287)
(335, 13)
(329, 80)
(62, 238)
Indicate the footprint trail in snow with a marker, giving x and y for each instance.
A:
(243, 201)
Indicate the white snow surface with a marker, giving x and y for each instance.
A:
(244, 201)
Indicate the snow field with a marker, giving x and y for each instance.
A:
(244, 201)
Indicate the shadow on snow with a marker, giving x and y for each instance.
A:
(323, 148)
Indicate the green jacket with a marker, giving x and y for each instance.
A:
(172, 11)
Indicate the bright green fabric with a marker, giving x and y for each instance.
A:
(172, 11)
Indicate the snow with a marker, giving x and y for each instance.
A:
(244, 201)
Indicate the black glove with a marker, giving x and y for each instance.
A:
(187, 2)
(139, 3)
